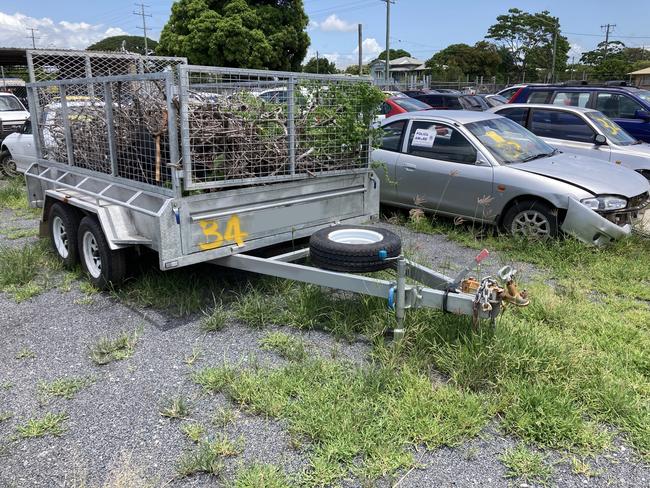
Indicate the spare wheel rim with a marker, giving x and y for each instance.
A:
(355, 236)
(92, 259)
(60, 237)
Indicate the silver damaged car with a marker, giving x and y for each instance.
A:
(483, 167)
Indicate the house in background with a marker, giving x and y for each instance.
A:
(641, 78)
(403, 71)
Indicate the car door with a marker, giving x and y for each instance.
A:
(623, 109)
(385, 157)
(438, 171)
(22, 149)
(567, 131)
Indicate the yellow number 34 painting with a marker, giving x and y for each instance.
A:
(215, 239)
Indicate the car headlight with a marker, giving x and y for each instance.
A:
(605, 203)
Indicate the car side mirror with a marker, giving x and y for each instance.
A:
(600, 139)
(482, 160)
(642, 114)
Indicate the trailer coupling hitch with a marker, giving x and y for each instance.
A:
(512, 293)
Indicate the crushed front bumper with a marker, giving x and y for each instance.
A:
(591, 228)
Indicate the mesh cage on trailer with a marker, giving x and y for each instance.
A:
(120, 126)
(242, 127)
(50, 64)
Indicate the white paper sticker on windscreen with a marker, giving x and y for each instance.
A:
(423, 138)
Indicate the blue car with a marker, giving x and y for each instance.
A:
(628, 106)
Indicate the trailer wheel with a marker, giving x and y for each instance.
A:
(63, 223)
(354, 249)
(105, 267)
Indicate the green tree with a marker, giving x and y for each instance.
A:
(482, 59)
(394, 54)
(353, 69)
(320, 65)
(529, 38)
(134, 44)
(613, 68)
(615, 49)
(237, 33)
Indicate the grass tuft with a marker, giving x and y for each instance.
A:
(50, 424)
(214, 379)
(175, 408)
(64, 387)
(261, 476)
(526, 465)
(6, 415)
(224, 417)
(106, 350)
(286, 345)
(25, 353)
(207, 457)
(215, 320)
(192, 358)
(193, 431)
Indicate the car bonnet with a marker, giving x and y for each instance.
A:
(592, 175)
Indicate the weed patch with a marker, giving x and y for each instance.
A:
(286, 345)
(13, 194)
(193, 431)
(526, 465)
(25, 353)
(64, 387)
(175, 408)
(20, 233)
(207, 457)
(261, 476)
(50, 424)
(106, 350)
(215, 320)
(224, 417)
(6, 416)
(350, 413)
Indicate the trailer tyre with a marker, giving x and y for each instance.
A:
(105, 268)
(354, 249)
(63, 224)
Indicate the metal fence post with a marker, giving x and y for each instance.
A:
(110, 125)
(66, 125)
(291, 129)
(172, 132)
(32, 100)
(183, 88)
(89, 74)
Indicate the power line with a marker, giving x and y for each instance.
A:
(32, 36)
(144, 16)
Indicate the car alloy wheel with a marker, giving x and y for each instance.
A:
(531, 224)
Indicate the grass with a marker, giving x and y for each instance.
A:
(50, 424)
(193, 431)
(175, 408)
(25, 353)
(13, 194)
(526, 465)
(261, 476)
(192, 358)
(106, 350)
(207, 457)
(26, 271)
(64, 387)
(5, 415)
(357, 419)
(286, 345)
(224, 416)
(215, 320)
(20, 233)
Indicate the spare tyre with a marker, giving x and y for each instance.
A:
(354, 248)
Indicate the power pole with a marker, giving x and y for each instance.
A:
(317, 62)
(33, 37)
(387, 70)
(144, 16)
(608, 28)
(360, 49)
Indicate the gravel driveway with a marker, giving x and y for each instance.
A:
(119, 412)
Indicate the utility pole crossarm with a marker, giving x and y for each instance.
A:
(144, 16)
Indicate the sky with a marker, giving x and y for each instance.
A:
(421, 27)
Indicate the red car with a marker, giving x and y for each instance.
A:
(399, 105)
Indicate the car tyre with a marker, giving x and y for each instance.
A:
(354, 249)
(63, 224)
(7, 164)
(532, 220)
(105, 267)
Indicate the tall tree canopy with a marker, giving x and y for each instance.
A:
(481, 59)
(319, 65)
(134, 44)
(237, 33)
(529, 38)
(394, 54)
(614, 49)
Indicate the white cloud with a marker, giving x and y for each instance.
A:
(63, 34)
(334, 24)
(369, 49)
(575, 50)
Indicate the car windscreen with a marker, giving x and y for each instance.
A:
(508, 141)
(611, 129)
(410, 104)
(496, 100)
(8, 104)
